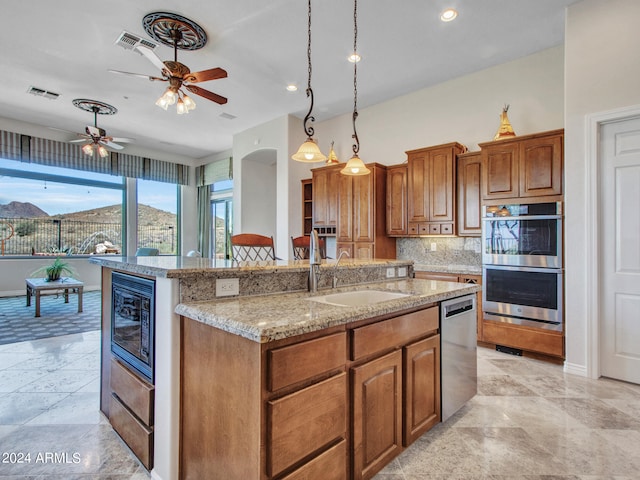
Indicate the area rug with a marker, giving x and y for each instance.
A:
(18, 324)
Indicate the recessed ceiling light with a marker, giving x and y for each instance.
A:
(292, 88)
(354, 58)
(448, 15)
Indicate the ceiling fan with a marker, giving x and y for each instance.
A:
(180, 33)
(96, 138)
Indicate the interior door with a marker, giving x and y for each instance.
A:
(620, 250)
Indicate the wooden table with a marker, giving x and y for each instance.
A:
(38, 285)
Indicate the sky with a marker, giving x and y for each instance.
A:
(57, 198)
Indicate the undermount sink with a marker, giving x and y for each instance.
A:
(358, 297)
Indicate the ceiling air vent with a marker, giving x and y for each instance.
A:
(41, 92)
(129, 41)
(228, 116)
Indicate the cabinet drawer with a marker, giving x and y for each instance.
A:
(394, 332)
(413, 228)
(434, 229)
(137, 436)
(305, 421)
(446, 228)
(424, 229)
(135, 393)
(533, 340)
(329, 465)
(295, 363)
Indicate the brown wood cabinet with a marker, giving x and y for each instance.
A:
(523, 167)
(431, 177)
(469, 170)
(327, 405)
(307, 206)
(361, 215)
(325, 200)
(397, 200)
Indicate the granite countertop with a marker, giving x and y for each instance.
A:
(265, 318)
(170, 266)
(459, 269)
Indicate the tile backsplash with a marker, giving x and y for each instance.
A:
(448, 250)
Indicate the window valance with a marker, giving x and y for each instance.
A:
(14, 146)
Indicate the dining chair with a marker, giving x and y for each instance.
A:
(252, 247)
(302, 245)
(147, 252)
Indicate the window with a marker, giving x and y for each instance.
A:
(46, 210)
(222, 219)
(157, 216)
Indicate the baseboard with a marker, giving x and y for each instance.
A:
(575, 369)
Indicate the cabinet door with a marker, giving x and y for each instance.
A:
(418, 186)
(364, 250)
(344, 247)
(325, 197)
(397, 200)
(345, 208)
(469, 171)
(541, 166)
(377, 414)
(422, 387)
(500, 177)
(363, 208)
(440, 186)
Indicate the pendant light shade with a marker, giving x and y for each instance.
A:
(309, 151)
(332, 159)
(355, 166)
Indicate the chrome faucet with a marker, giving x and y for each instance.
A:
(314, 261)
(334, 283)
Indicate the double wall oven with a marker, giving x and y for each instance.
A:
(522, 264)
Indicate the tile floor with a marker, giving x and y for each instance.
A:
(529, 421)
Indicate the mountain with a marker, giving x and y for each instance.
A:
(113, 214)
(21, 210)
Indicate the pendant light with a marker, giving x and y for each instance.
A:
(355, 166)
(309, 151)
(332, 159)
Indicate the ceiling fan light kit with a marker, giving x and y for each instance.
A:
(96, 137)
(177, 32)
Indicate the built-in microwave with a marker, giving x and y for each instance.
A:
(523, 296)
(527, 235)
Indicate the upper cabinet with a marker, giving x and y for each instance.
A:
(353, 209)
(469, 174)
(431, 176)
(523, 167)
(397, 200)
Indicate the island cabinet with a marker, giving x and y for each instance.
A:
(431, 177)
(527, 167)
(336, 404)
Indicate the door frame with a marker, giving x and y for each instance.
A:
(594, 124)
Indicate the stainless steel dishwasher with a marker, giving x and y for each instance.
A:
(458, 349)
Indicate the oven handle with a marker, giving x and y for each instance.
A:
(524, 269)
(524, 217)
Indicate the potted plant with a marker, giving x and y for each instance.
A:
(56, 269)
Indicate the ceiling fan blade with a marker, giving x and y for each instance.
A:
(205, 75)
(123, 139)
(81, 140)
(148, 77)
(151, 56)
(214, 97)
(115, 146)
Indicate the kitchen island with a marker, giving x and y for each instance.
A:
(231, 373)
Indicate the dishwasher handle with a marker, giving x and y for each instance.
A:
(458, 308)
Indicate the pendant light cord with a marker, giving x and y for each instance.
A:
(356, 145)
(308, 129)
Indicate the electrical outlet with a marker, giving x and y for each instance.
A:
(434, 246)
(226, 287)
(391, 272)
(402, 271)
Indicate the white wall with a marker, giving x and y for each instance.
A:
(602, 69)
(465, 110)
